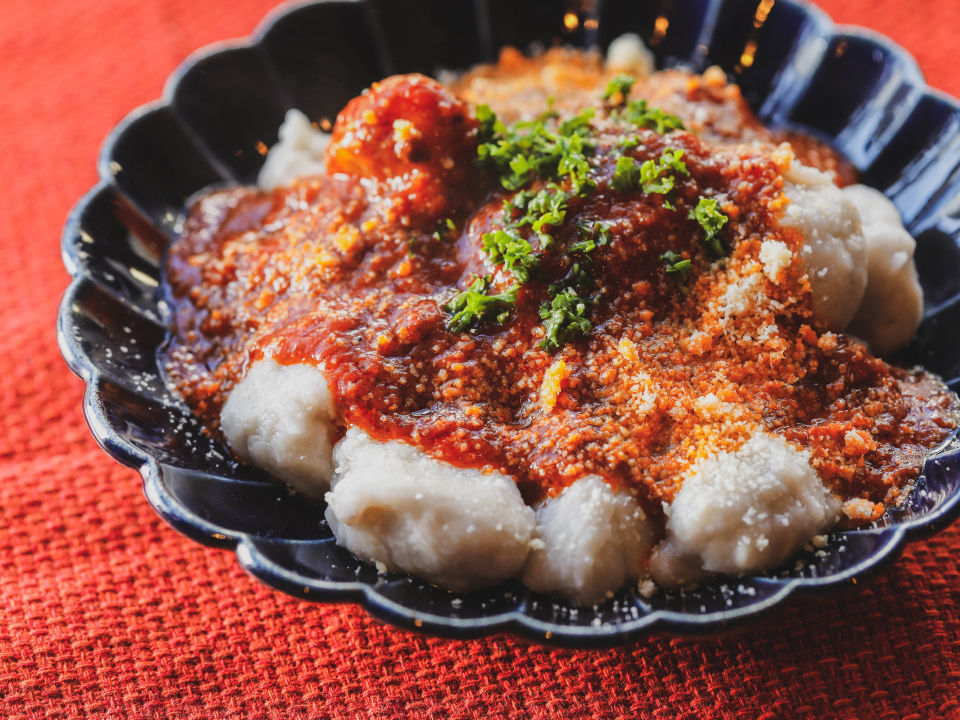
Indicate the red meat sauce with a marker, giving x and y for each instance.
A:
(348, 271)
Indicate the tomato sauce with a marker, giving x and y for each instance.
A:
(351, 270)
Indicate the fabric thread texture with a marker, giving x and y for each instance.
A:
(106, 612)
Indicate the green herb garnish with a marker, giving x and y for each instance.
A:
(676, 263)
(511, 250)
(444, 229)
(564, 318)
(638, 112)
(490, 126)
(711, 220)
(526, 150)
(618, 89)
(543, 209)
(549, 150)
(590, 236)
(654, 180)
(626, 175)
(473, 306)
(517, 203)
(574, 164)
(653, 176)
(659, 176)
(577, 277)
(578, 124)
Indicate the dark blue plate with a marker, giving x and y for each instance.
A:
(862, 93)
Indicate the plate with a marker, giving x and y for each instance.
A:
(223, 106)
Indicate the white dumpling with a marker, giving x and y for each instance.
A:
(893, 302)
(834, 249)
(282, 418)
(593, 540)
(392, 504)
(299, 152)
(741, 512)
(627, 54)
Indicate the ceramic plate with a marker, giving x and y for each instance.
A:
(856, 90)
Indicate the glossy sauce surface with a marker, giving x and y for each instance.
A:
(351, 271)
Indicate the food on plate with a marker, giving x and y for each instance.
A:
(572, 322)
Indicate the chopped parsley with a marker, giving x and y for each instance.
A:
(490, 126)
(521, 154)
(543, 209)
(653, 179)
(444, 229)
(574, 164)
(576, 277)
(618, 89)
(659, 176)
(639, 112)
(526, 150)
(564, 318)
(578, 124)
(626, 175)
(653, 176)
(517, 203)
(557, 151)
(513, 251)
(590, 236)
(412, 241)
(675, 263)
(711, 220)
(473, 306)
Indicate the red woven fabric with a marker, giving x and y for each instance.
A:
(107, 612)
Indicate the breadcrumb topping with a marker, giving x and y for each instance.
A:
(352, 271)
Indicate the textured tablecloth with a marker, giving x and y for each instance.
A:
(107, 612)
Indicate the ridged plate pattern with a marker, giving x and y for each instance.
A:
(851, 87)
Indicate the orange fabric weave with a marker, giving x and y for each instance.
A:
(105, 612)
